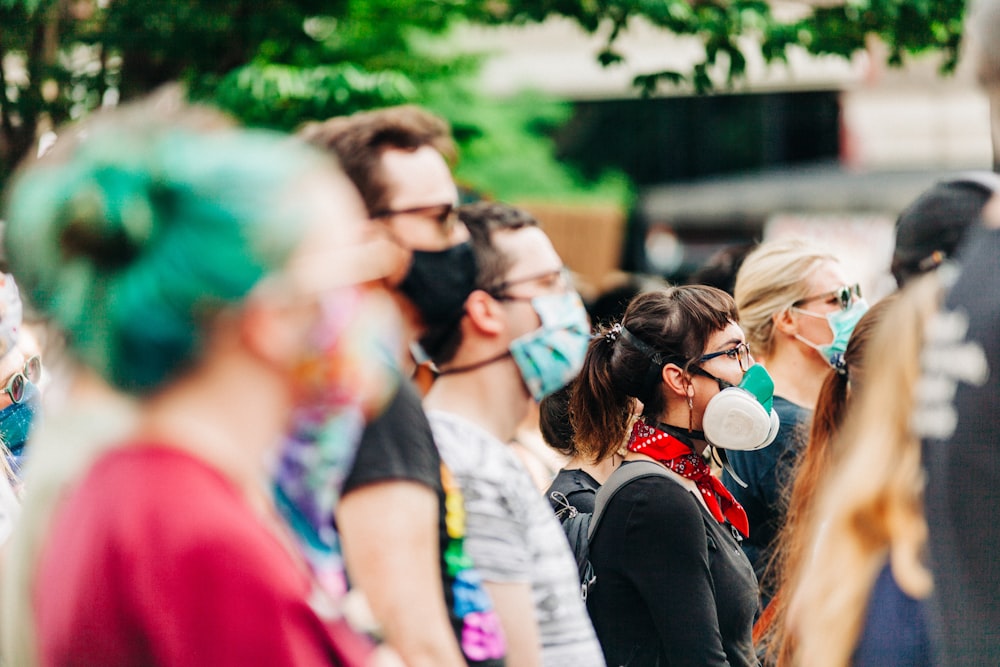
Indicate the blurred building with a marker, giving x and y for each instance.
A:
(820, 145)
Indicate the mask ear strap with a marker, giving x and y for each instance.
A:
(654, 370)
(473, 366)
(723, 384)
(719, 454)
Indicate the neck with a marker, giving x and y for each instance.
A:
(798, 373)
(678, 417)
(600, 470)
(411, 331)
(492, 396)
(211, 416)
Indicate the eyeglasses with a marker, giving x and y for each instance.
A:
(554, 280)
(443, 214)
(842, 296)
(741, 353)
(32, 372)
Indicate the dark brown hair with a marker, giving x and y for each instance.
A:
(482, 219)
(676, 322)
(358, 141)
(554, 422)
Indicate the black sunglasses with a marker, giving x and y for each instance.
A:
(32, 372)
(443, 214)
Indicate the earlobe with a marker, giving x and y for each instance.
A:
(274, 335)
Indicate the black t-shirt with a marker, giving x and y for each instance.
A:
(398, 445)
(577, 488)
(958, 413)
(673, 585)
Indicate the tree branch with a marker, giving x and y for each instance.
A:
(5, 122)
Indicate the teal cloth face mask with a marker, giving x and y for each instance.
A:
(842, 323)
(551, 356)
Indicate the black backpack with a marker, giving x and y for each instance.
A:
(580, 527)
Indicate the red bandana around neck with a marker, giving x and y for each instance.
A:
(678, 456)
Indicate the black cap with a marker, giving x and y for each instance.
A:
(931, 228)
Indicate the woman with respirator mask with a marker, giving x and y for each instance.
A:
(671, 581)
(798, 310)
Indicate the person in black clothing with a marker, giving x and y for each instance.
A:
(575, 486)
(672, 584)
(959, 422)
(399, 503)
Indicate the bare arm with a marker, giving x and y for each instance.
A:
(390, 542)
(516, 609)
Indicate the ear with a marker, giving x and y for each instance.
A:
(275, 334)
(785, 322)
(676, 382)
(485, 313)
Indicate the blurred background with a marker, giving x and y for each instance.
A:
(645, 136)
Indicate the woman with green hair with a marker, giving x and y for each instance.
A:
(204, 278)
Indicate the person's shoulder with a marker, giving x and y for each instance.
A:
(658, 507)
(396, 446)
(157, 504)
(145, 490)
(402, 420)
(791, 414)
(660, 494)
(574, 480)
(453, 432)
(140, 471)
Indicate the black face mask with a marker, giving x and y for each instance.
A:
(438, 283)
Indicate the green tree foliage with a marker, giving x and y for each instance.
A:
(279, 63)
(728, 28)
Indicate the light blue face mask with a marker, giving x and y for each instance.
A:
(842, 323)
(551, 356)
(16, 421)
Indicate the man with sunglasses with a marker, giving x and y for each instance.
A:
(522, 336)
(398, 501)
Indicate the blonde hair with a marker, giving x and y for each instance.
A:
(870, 508)
(773, 277)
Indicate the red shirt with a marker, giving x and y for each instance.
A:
(156, 559)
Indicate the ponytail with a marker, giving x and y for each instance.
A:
(599, 410)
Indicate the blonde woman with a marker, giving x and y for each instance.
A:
(814, 465)
(859, 598)
(798, 309)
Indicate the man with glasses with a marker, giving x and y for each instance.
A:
(398, 501)
(523, 335)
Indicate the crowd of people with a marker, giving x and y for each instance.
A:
(266, 401)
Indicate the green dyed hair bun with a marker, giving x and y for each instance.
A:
(139, 226)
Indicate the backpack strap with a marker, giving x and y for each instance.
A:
(619, 478)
